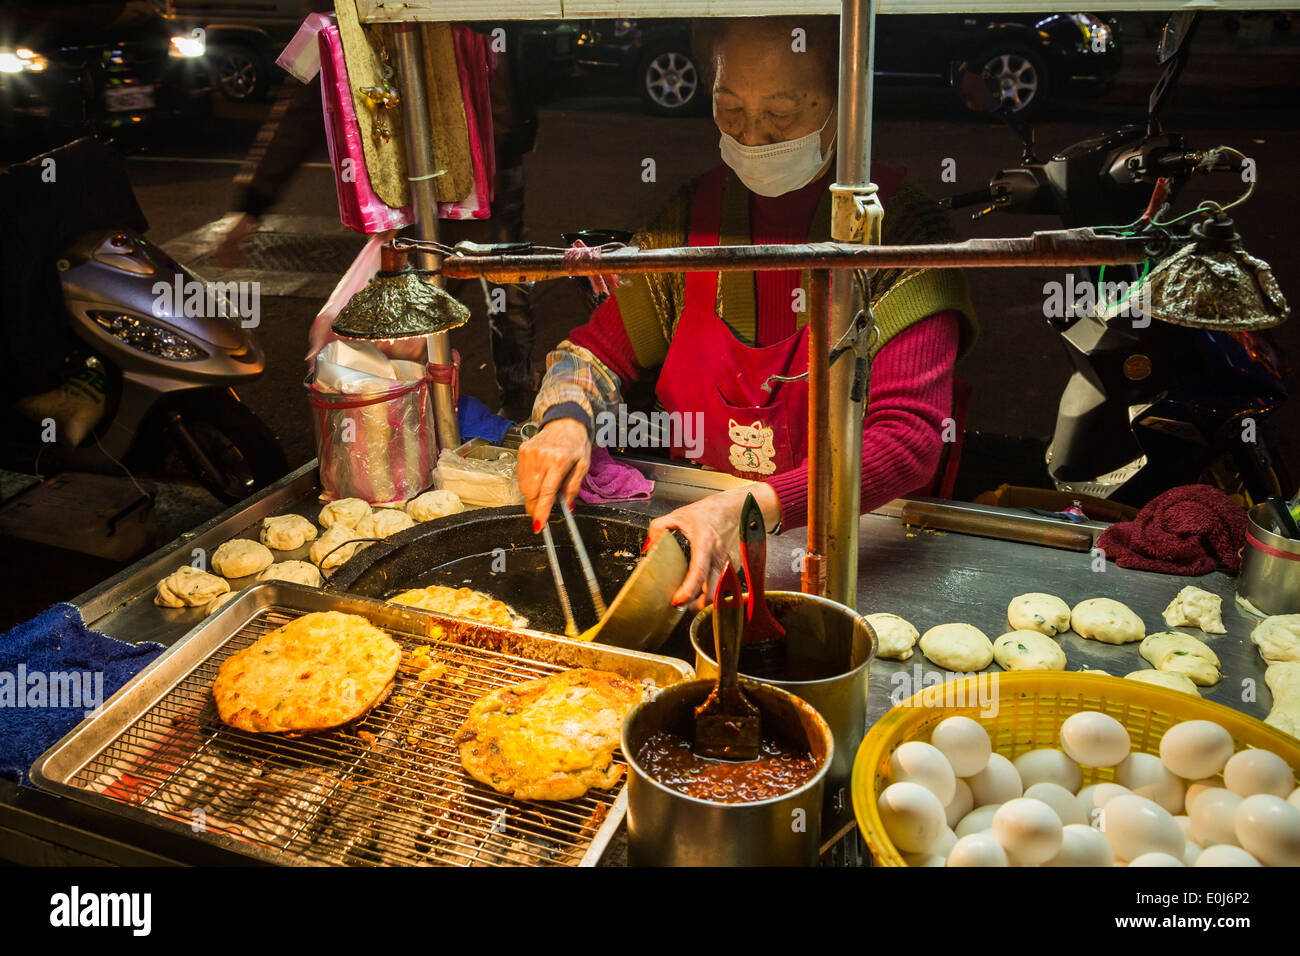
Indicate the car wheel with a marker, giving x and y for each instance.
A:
(670, 81)
(1020, 73)
(240, 73)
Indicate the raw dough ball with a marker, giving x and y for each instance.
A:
(1165, 679)
(894, 636)
(978, 849)
(1048, 765)
(1278, 638)
(287, 532)
(1035, 611)
(323, 554)
(996, 783)
(1094, 739)
(1146, 776)
(1284, 681)
(1196, 607)
(957, 647)
(1101, 619)
(345, 511)
(1082, 845)
(921, 763)
(964, 742)
(1195, 748)
(1028, 651)
(217, 603)
(297, 572)
(434, 504)
(189, 587)
(1252, 771)
(1182, 654)
(241, 557)
(383, 522)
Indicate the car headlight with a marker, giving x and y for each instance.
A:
(1097, 34)
(22, 60)
(146, 336)
(189, 46)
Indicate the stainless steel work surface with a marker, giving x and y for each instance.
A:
(387, 789)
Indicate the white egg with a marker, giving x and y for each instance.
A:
(1135, 825)
(1029, 830)
(1146, 776)
(1225, 855)
(1269, 829)
(1065, 803)
(1092, 798)
(1048, 765)
(912, 815)
(1197, 787)
(1213, 817)
(1185, 824)
(964, 742)
(1191, 854)
(978, 849)
(1195, 749)
(977, 821)
(960, 805)
(921, 860)
(1082, 845)
(1258, 771)
(1157, 859)
(1295, 797)
(998, 782)
(920, 763)
(1094, 739)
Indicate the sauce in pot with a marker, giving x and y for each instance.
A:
(780, 768)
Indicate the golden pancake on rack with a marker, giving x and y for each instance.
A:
(462, 602)
(549, 739)
(320, 671)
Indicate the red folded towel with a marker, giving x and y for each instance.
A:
(1192, 529)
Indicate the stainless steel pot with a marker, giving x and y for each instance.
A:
(1270, 566)
(830, 651)
(667, 828)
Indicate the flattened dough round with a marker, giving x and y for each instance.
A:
(1196, 607)
(1278, 638)
(1108, 621)
(1169, 679)
(434, 504)
(1178, 653)
(1036, 611)
(345, 511)
(240, 557)
(287, 532)
(323, 553)
(189, 587)
(217, 603)
(957, 647)
(319, 671)
(383, 522)
(297, 572)
(894, 636)
(1027, 650)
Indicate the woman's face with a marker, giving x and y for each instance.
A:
(764, 92)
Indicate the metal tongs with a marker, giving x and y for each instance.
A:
(570, 625)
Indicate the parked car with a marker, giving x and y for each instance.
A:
(107, 67)
(244, 37)
(1034, 56)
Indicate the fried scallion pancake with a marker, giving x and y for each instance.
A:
(320, 671)
(549, 739)
(462, 602)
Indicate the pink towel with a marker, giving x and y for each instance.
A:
(610, 480)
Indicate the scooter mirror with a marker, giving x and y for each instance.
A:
(1176, 32)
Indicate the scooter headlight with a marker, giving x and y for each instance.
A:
(22, 60)
(146, 336)
(189, 46)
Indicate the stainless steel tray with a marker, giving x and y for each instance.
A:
(388, 789)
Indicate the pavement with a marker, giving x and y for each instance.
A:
(586, 172)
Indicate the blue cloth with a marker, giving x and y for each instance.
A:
(53, 670)
(476, 421)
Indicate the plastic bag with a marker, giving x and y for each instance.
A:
(485, 482)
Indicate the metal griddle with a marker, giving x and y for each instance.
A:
(386, 790)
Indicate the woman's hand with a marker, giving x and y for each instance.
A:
(712, 525)
(553, 462)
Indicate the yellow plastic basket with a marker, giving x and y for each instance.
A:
(1030, 708)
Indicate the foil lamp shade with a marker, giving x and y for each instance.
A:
(399, 303)
(1213, 283)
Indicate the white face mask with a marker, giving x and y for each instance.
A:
(775, 169)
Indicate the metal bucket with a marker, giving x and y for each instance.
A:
(830, 648)
(668, 828)
(1270, 566)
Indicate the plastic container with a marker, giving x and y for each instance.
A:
(1031, 706)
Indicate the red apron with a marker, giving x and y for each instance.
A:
(708, 371)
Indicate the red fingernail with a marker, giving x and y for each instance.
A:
(537, 526)
(645, 545)
(677, 603)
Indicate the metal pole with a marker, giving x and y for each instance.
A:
(409, 54)
(813, 579)
(852, 168)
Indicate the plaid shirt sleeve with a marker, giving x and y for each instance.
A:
(577, 385)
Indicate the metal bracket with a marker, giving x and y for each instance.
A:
(856, 214)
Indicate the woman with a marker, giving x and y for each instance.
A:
(707, 342)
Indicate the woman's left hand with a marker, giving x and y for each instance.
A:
(712, 525)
